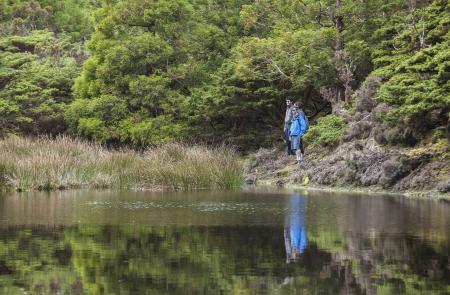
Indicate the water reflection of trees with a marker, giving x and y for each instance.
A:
(102, 259)
(393, 248)
(385, 245)
(148, 260)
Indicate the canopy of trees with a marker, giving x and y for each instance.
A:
(153, 71)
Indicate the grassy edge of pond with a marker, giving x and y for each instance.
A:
(271, 184)
(67, 163)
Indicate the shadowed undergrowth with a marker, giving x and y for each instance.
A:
(63, 163)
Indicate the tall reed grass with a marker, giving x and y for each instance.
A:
(62, 163)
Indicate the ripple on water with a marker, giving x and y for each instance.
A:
(209, 207)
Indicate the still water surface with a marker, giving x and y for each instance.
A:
(222, 243)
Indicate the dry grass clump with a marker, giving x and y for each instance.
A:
(187, 167)
(64, 162)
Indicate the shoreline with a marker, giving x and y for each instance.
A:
(266, 186)
(354, 190)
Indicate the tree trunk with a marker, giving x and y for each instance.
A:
(339, 26)
(339, 46)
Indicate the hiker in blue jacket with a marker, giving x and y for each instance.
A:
(298, 128)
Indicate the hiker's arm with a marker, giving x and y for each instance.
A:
(302, 125)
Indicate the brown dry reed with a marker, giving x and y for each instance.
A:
(64, 163)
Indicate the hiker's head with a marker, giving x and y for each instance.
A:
(299, 105)
(295, 110)
(288, 102)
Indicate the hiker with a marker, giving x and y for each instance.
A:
(287, 125)
(298, 128)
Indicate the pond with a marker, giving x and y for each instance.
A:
(249, 242)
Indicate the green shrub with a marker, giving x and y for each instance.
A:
(328, 131)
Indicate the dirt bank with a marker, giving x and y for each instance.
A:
(360, 164)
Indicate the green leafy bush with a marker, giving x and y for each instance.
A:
(328, 131)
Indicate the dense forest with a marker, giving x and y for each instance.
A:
(145, 72)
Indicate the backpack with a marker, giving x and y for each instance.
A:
(306, 121)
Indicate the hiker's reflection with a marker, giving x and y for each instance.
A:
(295, 238)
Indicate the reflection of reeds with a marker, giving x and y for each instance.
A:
(70, 163)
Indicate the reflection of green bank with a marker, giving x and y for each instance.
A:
(36, 264)
(153, 260)
(233, 258)
(187, 260)
(328, 239)
(400, 265)
(105, 259)
(410, 284)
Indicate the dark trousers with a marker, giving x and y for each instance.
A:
(288, 141)
(302, 150)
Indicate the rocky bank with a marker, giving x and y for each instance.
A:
(361, 163)
(369, 155)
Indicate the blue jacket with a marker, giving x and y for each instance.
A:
(298, 126)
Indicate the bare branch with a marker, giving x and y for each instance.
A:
(279, 70)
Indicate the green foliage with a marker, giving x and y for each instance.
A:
(36, 75)
(146, 58)
(328, 131)
(73, 17)
(159, 71)
(287, 51)
(40, 52)
(245, 99)
(416, 64)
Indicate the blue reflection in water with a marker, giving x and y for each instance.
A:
(295, 237)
